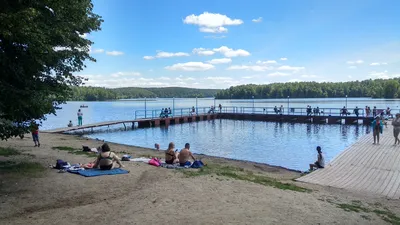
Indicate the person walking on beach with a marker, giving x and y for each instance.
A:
(396, 129)
(35, 133)
(377, 128)
(320, 163)
(80, 114)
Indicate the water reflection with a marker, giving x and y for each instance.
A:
(284, 144)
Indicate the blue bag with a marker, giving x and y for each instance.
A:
(197, 164)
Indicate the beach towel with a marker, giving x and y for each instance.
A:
(174, 166)
(141, 159)
(97, 172)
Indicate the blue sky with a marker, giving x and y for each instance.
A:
(221, 43)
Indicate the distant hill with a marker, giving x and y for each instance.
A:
(102, 94)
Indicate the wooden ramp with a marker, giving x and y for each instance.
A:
(89, 126)
(364, 167)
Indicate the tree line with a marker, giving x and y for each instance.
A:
(378, 88)
(102, 94)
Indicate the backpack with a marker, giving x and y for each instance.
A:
(197, 164)
(61, 164)
(155, 162)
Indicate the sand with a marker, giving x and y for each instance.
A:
(151, 195)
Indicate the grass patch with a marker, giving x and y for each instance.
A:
(8, 151)
(241, 174)
(74, 151)
(21, 168)
(356, 206)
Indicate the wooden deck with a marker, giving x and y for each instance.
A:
(364, 167)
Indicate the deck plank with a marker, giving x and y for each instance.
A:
(364, 167)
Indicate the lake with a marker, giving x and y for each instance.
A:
(282, 144)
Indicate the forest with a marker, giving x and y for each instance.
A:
(103, 94)
(379, 88)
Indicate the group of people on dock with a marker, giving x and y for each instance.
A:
(80, 119)
(165, 112)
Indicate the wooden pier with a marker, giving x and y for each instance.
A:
(364, 167)
(139, 123)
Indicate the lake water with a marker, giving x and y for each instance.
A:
(282, 144)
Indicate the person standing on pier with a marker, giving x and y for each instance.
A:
(377, 129)
(396, 129)
(80, 115)
(356, 111)
(374, 112)
(281, 110)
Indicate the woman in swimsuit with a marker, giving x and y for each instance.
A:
(171, 156)
(106, 159)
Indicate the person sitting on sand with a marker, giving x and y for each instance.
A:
(171, 156)
(70, 124)
(106, 159)
(184, 156)
(320, 163)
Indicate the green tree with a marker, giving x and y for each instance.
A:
(391, 88)
(41, 46)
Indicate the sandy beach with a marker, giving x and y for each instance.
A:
(151, 195)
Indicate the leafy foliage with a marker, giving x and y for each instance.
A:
(101, 94)
(378, 88)
(41, 46)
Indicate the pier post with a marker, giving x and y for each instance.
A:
(157, 123)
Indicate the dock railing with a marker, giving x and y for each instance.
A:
(151, 114)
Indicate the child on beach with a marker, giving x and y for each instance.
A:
(35, 133)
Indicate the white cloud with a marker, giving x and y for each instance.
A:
(258, 20)
(96, 51)
(229, 53)
(219, 78)
(181, 78)
(352, 67)
(291, 68)
(212, 22)
(114, 53)
(355, 62)
(203, 51)
(377, 64)
(266, 62)
(283, 59)
(220, 61)
(164, 78)
(170, 54)
(250, 68)
(148, 57)
(191, 66)
(122, 74)
(382, 75)
(213, 29)
(215, 36)
(161, 54)
(309, 76)
(294, 80)
(278, 74)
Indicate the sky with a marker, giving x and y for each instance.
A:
(224, 43)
